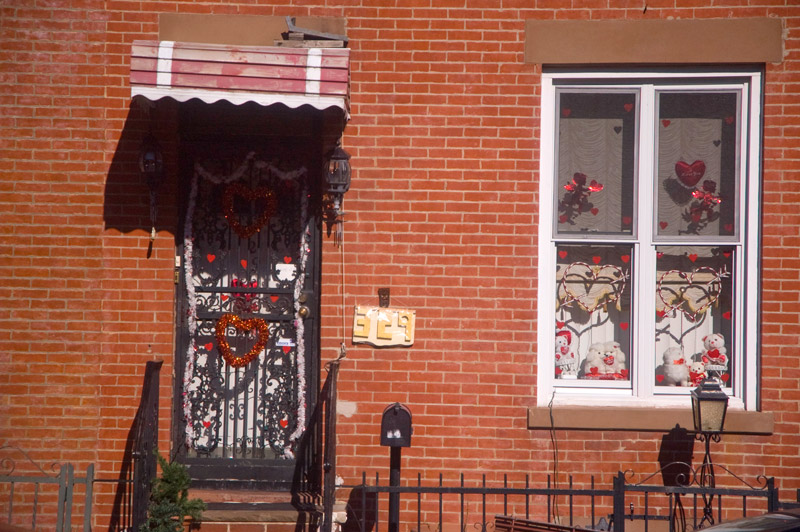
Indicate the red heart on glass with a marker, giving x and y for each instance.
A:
(560, 324)
(728, 227)
(287, 348)
(693, 257)
(628, 107)
(287, 260)
(725, 377)
(726, 254)
(211, 257)
(660, 378)
(663, 225)
(209, 346)
(596, 259)
(666, 123)
(626, 220)
(726, 315)
(729, 120)
(243, 263)
(624, 325)
(566, 111)
(562, 254)
(562, 219)
(595, 210)
(206, 424)
(625, 258)
(274, 298)
(690, 174)
(284, 423)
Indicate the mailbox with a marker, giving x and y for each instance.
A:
(396, 426)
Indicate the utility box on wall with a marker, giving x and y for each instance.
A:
(396, 426)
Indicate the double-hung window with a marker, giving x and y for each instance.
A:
(649, 234)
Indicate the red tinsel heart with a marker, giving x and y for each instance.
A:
(262, 193)
(690, 174)
(252, 324)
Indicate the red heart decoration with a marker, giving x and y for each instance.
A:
(558, 371)
(566, 111)
(562, 254)
(726, 315)
(274, 298)
(624, 373)
(593, 371)
(659, 254)
(628, 107)
(560, 324)
(663, 225)
(284, 423)
(224, 297)
(624, 325)
(238, 189)
(726, 254)
(660, 378)
(729, 120)
(243, 262)
(625, 258)
(594, 211)
(287, 348)
(206, 424)
(725, 377)
(562, 219)
(287, 259)
(626, 220)
(728, 227)
(666, 123)
(252, 324)
(690, 174)
(596, 259)
(209, 346)
(693, 257)
(211, 257)
(661, 313)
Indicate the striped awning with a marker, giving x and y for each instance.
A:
(262, 74)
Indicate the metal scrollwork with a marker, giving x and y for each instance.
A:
(246, 411)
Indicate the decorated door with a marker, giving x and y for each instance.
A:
(247, 310)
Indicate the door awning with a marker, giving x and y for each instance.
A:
(266, 75)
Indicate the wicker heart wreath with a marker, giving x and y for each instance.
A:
(252, 324)
(690, 292)
(250, 194)
(591, 287)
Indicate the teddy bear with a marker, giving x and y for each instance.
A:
(697, 373)
(566, 361)
(614, 360)
(593, 366)
(675, 368)
(714, 354)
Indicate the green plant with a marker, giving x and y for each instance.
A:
(169, 499)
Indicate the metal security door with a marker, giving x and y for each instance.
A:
(249, 304)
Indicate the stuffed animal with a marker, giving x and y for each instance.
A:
(566, 361)
(676, 370)
(714, 354)
(614, 360)
(593, 365)
(697, 373)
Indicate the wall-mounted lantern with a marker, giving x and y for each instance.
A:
(337, 174)
(151, 165)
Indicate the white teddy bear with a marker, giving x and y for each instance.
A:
(676, 370)
(566, 361)
(593, 365)
(614, 360)
(715, 355)
(697, 373)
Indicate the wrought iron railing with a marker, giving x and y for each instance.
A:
(144, 443)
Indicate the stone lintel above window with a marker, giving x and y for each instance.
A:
(657, 41)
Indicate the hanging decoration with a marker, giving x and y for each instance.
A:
(690, 174)
(701, 211)
(257, 325)
(234, 190)
(592, 287)
(576, 199)
(690, 292)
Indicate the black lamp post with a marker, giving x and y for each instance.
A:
(709, 405)
(151, 165)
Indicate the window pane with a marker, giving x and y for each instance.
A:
(698, 154)
(596, 162)
(593, 317)
(694, 313)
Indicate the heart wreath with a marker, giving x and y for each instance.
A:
(691, 293)
(262, 193)
(252, 324)
(592, 287)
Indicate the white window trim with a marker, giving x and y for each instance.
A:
(745, 389)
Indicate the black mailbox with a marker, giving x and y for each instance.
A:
(396, 426)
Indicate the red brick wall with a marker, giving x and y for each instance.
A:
(443, 210)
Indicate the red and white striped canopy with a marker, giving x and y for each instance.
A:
(262, 74)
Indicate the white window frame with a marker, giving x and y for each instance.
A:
(744, 390)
